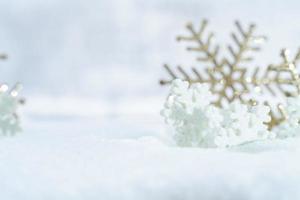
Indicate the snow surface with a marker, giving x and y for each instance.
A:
(66, 155)
(86, 166)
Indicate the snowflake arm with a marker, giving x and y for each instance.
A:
(291, 127)
(208, 53)
(243, 124)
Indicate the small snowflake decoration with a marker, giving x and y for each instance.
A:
(197, 122)
(189, 111)
(291, 126)
(9, 102)
(244, 123)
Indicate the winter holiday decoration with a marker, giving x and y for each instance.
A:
(231, 79)
(198, 123)
(291, 126)
(9, 102)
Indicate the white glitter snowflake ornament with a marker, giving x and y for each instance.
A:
(243, 124)
(291, 126)
(198, 123)
(188, 110)
(9, 102)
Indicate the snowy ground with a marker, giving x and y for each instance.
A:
(70, 157)
(86, 166)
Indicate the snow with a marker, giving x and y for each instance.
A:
(86, 166)
(66, 155)
(72, 156)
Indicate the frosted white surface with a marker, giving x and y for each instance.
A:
(70, 155)
(86, 166)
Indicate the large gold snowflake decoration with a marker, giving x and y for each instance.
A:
(228, 78)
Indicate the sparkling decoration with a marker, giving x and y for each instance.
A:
(244, 123)
(9, 102)
(228, 77)
(291, 127)
(187, 109)
(199, 123)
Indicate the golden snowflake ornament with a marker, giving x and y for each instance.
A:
(229, 78)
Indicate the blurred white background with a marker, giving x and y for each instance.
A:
(96, 58)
